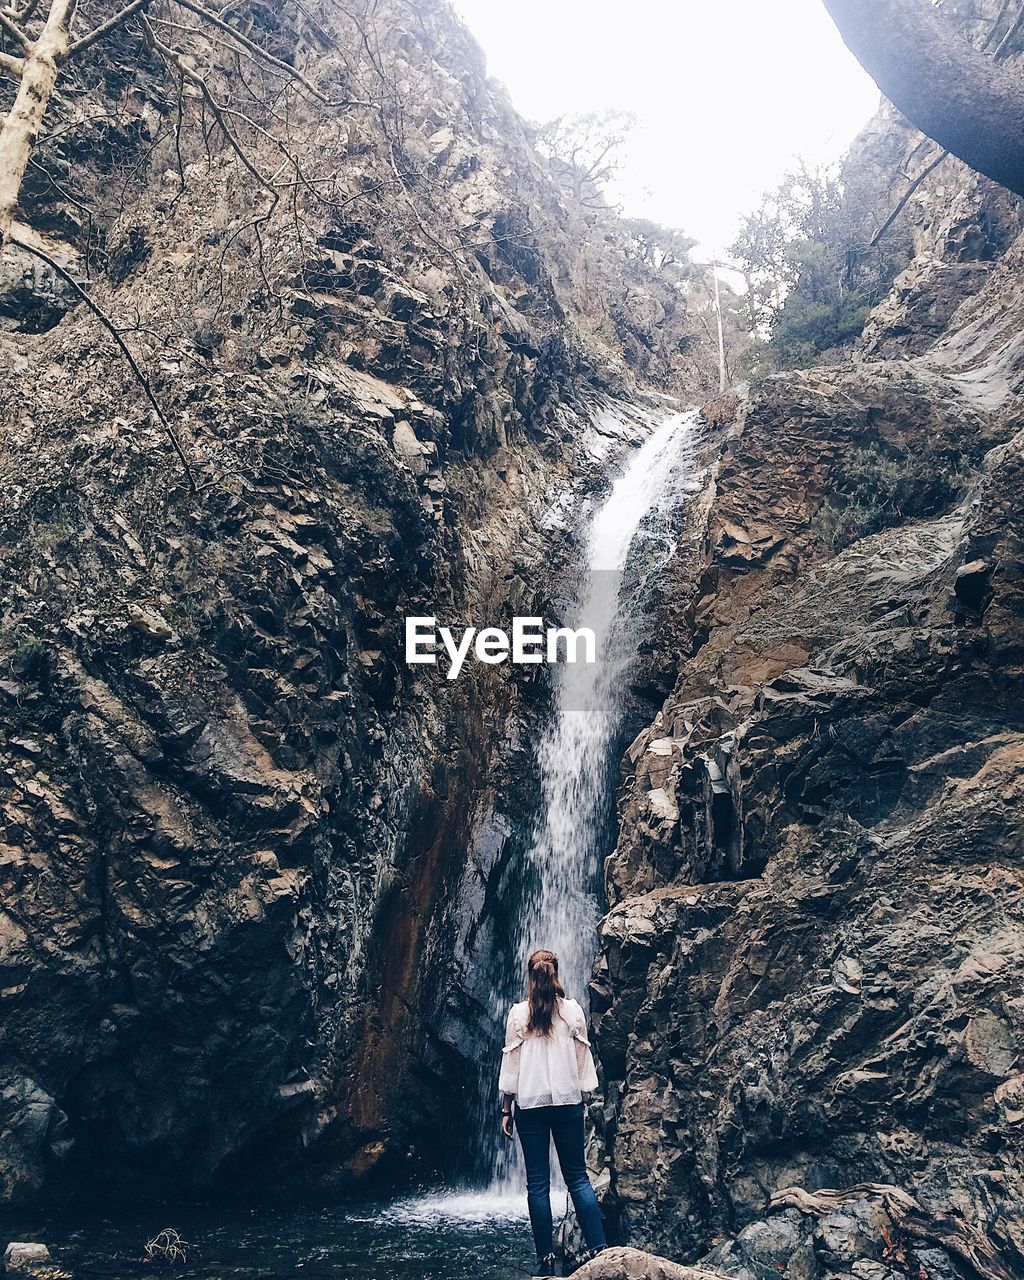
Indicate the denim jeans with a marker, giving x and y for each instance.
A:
(536, 1126)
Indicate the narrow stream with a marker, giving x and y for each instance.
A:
(480, 1233)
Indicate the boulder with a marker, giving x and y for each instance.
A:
(22, 1258)
(634, 1264)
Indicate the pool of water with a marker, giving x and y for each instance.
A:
(432, 1237)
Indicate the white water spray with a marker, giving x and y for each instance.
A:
(573, 753)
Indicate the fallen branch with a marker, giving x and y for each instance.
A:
(959, 1238)
(167, 1246)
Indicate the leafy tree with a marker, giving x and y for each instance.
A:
(812, 269)
(663, 248)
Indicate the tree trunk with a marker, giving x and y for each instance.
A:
(967, 103)
(21, 128)
(723, 380)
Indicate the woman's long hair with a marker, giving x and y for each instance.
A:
(543, 988)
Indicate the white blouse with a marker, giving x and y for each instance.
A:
(547, 1071)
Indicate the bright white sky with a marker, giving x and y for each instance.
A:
(728, 92)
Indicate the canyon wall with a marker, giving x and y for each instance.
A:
(808, 997)
(250, 861)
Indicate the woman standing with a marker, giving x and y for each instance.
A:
(547, 1066)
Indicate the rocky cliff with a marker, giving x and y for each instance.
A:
(229, 812)
(248, 858)
(808, 995)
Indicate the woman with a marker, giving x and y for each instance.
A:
(547, 1066)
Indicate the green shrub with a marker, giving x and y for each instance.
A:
(805, 329)
(875, 490)
(28, 659)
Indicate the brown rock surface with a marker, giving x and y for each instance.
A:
(229, 811)
(810, 973)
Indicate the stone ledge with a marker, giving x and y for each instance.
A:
(634, 1264)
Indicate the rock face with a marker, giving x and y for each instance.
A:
(633, 1264)
(811, 970)
(867, 1230)
(18, 1254)
(230, 811)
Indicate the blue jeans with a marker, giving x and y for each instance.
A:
(536, 1126)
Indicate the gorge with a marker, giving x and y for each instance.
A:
(268, 889)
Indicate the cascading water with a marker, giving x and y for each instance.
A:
(561, 868)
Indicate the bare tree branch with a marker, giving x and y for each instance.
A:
(285, 69)
(1014, 28)
(175, 58)
(26, 11)
(13, 66)
(37, 72)
(97, 33)
(12, 29)
(991, 35)
(111, 328)
(901, 203)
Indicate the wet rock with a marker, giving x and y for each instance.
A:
(21, 1259)
(33, 1127)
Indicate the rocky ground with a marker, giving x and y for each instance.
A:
(808, 995)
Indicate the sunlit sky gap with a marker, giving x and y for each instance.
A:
(727, 92)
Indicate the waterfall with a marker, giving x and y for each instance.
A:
(573, 752)
(628, 538)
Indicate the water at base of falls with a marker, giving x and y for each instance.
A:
(433, 1237)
